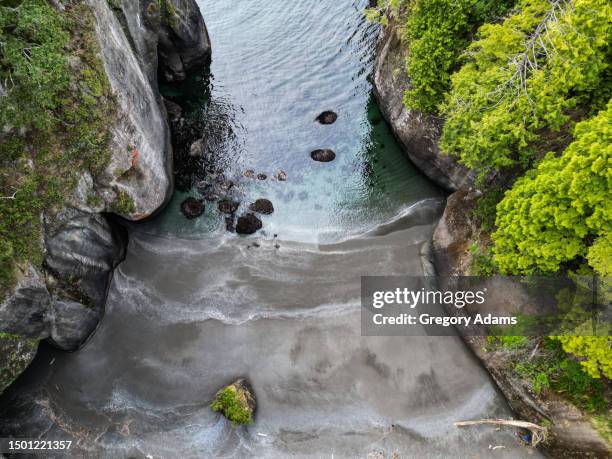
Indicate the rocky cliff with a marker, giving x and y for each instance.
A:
(63, 300)
(417, 132)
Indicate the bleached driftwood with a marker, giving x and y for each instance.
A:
(538, 433)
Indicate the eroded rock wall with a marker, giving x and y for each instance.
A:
(63, 301)
(417, 132)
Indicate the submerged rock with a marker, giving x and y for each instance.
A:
(327, 117)
(248, 224)
(324, 155)
(236, 402)
(227, 206)
(262, 206)
(192, 208)
(261, 176)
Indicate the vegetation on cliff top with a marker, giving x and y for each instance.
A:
(55, 107)
(526, 102)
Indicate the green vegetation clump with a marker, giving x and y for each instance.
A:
(559, 211)
(525, 82)
(552, 369)
(123, 204)
(168, 13)
(56, 106)
(232, 403)
(437, 32)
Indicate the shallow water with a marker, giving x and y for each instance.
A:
(193, 306)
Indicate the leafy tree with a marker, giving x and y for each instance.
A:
(535, 73)
(437, 32)
(561, 210)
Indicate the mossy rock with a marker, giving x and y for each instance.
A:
(15, 355)
(236, 402)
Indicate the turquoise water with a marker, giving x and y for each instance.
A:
(276, 65)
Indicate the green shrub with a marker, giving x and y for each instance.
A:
(594, 352)
(123, 204)
(437, 32)
(482, 261)
(561, 210)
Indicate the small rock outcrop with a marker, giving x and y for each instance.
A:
(262, 206)
(248, 224)
(327, 117)
(324, 155)
(417, 132)
(281, 175)
(236, 402)
(192, 208)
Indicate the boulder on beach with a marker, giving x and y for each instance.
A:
(262, 206)
(236, 402)
(248, 224)
(192, 207)
(227, 206)
(324, 155)
(327, 117)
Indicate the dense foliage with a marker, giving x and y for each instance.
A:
(526, 80)
(437, 32)
(55, 107)
(558, 211)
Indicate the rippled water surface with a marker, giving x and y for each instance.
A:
(276, 66)
(194, 307)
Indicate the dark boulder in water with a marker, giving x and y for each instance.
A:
(192, 208)
(327, 117)
(227, 206)
(261, 176)
(248, 224)
(281, 175)
(262, 206)
(324, 155)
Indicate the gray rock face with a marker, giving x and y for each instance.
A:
(417, 133)
(64, 301)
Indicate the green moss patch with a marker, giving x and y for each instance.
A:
(235, 403)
